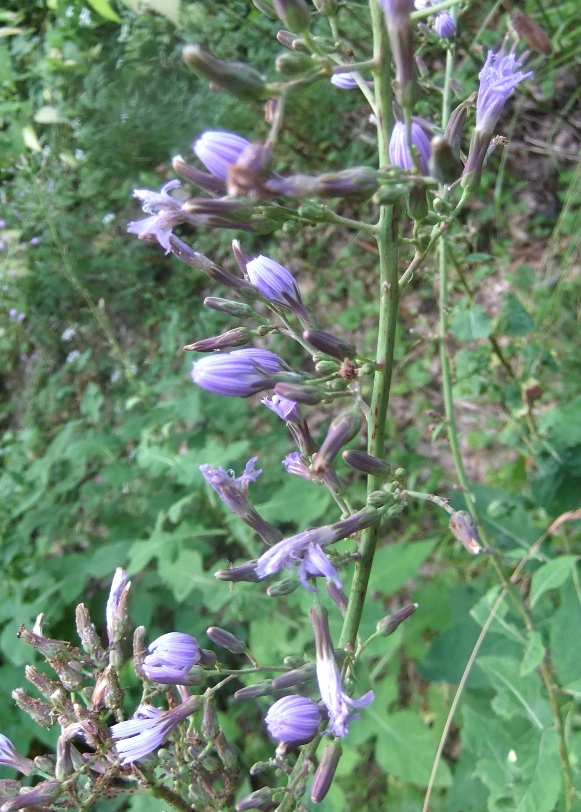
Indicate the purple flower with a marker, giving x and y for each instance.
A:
(13, 312)
(287, 410)
(166, 213)
(316, 563)
(10, 757)
(444, 25)
(293, 719)
(116, 609)
(34, 241)
(275, 283)
(295, 463)
(232, 491)
(137, 737)
(171, 657)
(338, 704)
(295, 548)
(399, 153)
(498, 79)
(240, 373)
(346, 81)
(218, 150)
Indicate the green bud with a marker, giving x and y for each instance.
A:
(390, 194)
(284, 587)
(444, 165)
(266, 7)
(239, 310)
(387, 625)
(326, 7)
(377, 499)
(294, 14)
(236, 78)
(292, 63)
(293, 661)
(418, 202)
(465, 529)
(326, 367)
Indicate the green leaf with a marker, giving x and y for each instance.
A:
(534, 653)
(395, 564)
(167, 8)
(500, 625)
(405, 747)
(514, 320)
(471, 324)
(103, 8)
(564, 636)
(492, 746)
(542, 773)
(515, 694)
(551, 576)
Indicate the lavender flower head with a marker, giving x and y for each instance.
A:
(345, 81)
(498, 79)
(237, 374)
(338, 704)
(232, 491)
(288, 410)
(166, 213)
(399, 153)
(10, 757)
(218, 150)
(293, 719)
(137, 737)
(170, 658)
(275, 283)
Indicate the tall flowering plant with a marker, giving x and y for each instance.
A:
(171, 742)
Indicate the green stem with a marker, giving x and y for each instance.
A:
(164, 794)
(387, 243)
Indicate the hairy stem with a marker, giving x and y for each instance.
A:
(387, 243)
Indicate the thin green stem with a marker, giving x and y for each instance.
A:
(387, 243)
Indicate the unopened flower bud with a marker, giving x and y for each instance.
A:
(260, 799)
(226, 640)
(264, 688)
(239, 310)
(326, 7)
(294, 14)
(293, 661)
(208, 658)
(338, 597)
(288, 39)
(364, 462)
(117, 606)
(87, 633)
(387, 625)
(38, 796)
(245, 572)
(225, 751)
(284, 587)
(401, 39)
(326, 367)
(325, 772)
(378, 499)
(465, 530)
(330, 344)
(39, 711)
(237, 337)
(528, 29)
(236, 78)
(296, 677)
(210, 726)
(444, 164)
(266, 7)
(292, 63)
(139, 651)
(204, 180)
(308, 395)
(259, 767)
(341, 431)
(455, 126)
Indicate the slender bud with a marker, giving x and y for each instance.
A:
(325, 342)
(86, 630)
(308, 395)
(245, 572)
(341, 431)
(237, 337)
(39, 711)
(455, 126)
(401, 38)
(204, 180)
(208, 658)
(226, 752)
(44, 684)
(444, 164)
(294, 14)
(226, 640)
(284, 587)
(364, 462)
(260, 799)
(266, 7)
(532, 33)
(236, 78)
(264, 688)
(465, 530)
(239, 310)
(338, 597)
(290, 40)
(296, 677)
(139, 651)
(38, 796)
(387, 625)
(325, 772)
(210, 726)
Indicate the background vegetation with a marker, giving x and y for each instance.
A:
(102, 432)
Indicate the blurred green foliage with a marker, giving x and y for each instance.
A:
(102, 432)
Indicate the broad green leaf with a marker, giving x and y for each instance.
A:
(394, 564)
(514, 320)
(492, 746)
(406, 746)
(515, 694)
(500, 625)
(542, 774)
(564, 636)
(551, 576)
(167, 8)
(534, 653)
(103, 8)
(470, 324)
(573, 688)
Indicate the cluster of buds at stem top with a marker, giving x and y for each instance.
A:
(236, 78)
(401, 39)
(498, 79)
